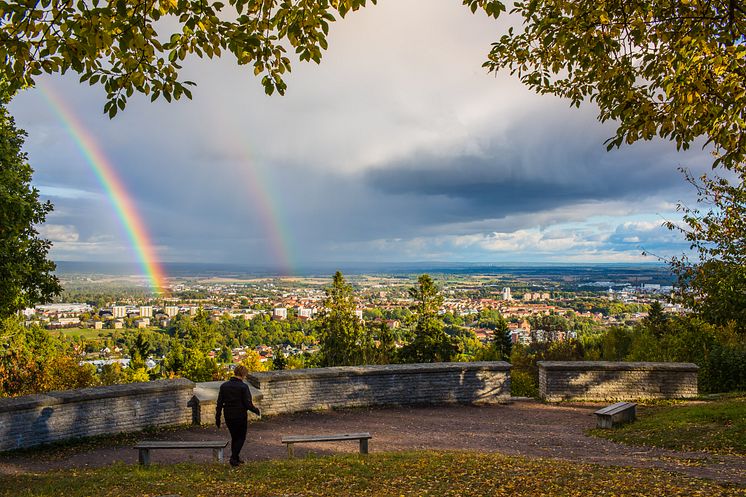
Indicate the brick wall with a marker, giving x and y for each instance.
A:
(396, 384)
(601, 381)
(37, 419)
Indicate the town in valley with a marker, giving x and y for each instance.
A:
(104, 314)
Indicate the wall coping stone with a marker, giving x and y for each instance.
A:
(257, 379)
(206, 392)
(616, 366)
(93, 393)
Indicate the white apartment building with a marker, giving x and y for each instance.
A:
(65, 308)
(146, 311)
(171, 310)
(305, 312)
(119, 311)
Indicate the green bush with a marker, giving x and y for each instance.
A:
(724, 369)
(523, 384)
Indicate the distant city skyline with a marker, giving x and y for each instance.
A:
(396, 148)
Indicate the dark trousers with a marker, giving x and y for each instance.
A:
(237, 426)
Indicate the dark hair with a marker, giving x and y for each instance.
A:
(241, 371)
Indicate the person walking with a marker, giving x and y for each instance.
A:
(234, 400)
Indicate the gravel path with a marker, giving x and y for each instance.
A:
(529, 429)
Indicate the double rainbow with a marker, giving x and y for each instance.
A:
(115, 191)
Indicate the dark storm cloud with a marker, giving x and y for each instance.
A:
(547, 168)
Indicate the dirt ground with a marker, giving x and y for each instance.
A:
(529, 429)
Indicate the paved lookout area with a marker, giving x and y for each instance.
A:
(524, 428)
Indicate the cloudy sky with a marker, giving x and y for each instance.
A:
(398, 147)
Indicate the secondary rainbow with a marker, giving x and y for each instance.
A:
(262, 197)
(115, 191)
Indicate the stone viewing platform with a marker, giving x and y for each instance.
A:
(447, 406)
(38, 419)
(607, 381)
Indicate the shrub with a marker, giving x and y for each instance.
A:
(523, 384)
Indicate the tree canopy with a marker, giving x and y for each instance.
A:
(713, 284)
(26, 274)
(669, 68)
(430, 342)
(343, 339)
(138, 46)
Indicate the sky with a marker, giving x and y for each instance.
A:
(398, 147)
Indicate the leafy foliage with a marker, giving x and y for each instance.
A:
(253, 361)
(501, 345)
(385, 340)
(32, 361)
(669, 68)
(26, 274)
(720, 352)
(430, 343)
(714, 283)
(132, 46)
(656, 320)
(344, 340)
(279, 360)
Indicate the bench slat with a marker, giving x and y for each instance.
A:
(325, 438)
(197, 444)
(615, 408)
(621, 412)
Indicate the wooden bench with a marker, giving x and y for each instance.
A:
(293, 439)
(146, 446)
(615, 414)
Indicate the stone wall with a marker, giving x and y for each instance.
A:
(37, 419)
(396, 384)
(601, 381)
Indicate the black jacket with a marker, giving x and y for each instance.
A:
(235, 399)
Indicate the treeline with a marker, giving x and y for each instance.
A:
(424, 334)
(719, 351)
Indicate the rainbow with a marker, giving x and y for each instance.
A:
(270, 213)
(115, 190)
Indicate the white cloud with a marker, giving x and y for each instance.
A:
(59, 232)
(65, 192)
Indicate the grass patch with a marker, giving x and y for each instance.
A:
(386, 474)
(84, 333)
(717, 426)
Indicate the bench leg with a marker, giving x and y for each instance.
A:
(290, 451)
(363, 445)
(603, 421)
(144, 457)
(217, 454)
